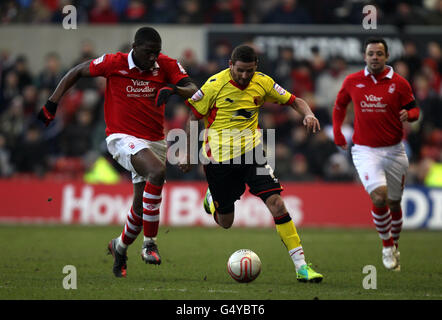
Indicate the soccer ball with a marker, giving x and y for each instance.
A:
(244, 265)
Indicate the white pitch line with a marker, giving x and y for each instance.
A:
(186, 290)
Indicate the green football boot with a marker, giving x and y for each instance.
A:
(307, 274)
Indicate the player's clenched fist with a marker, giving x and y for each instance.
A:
(47, 113)
(164, 94)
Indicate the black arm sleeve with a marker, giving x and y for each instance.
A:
(410, 106)
(184, 81)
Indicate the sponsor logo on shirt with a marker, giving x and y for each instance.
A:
(372, 104)
(279, 89)
(140, 88)
(243, 114)
(140, 82)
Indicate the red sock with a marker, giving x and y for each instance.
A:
(151, 209)
(396, 225)
(382, 221)
(132, 227)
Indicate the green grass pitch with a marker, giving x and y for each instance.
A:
(194, 265)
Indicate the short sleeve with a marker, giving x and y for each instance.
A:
(406, 93)
(202, 100)
(175, 71)
(100, 65)
(277, 94)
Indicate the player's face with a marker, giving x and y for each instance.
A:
(242, 72)
(146, 54)
(375, 57)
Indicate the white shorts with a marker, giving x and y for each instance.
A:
(122, 146)
(383, 166)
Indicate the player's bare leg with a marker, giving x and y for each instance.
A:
(289, 236)
(148, 165)
(382, 220)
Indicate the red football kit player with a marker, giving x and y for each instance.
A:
(382, 101)
(129, 105)
(138, 84)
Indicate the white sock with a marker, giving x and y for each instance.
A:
(121, 246)
(150, 238)
(297, 255)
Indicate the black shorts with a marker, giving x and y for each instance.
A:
(227, 182)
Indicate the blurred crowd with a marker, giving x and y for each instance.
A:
(75, 143)
(395, 12)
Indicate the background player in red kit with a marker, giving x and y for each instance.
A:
(382, 101)
(138, 86)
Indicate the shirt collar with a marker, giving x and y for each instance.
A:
(389, 74)
(132, 64)
(130, 61)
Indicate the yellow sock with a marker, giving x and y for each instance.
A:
(288, 234)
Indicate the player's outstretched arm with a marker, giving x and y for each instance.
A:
(310, 121)
(47, 113)
(187, 90)
(184, 88)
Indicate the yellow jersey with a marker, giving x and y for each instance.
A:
(230, 112)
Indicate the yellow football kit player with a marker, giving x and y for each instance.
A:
(229, 103)
(230, 112)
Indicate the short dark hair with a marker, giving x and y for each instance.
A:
(244, 53)
(147, 34)
(376, 40)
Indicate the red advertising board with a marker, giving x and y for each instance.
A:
(73, 202)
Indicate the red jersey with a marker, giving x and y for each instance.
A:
(129, 101)
(377, 100)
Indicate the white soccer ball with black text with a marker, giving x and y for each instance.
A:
(244, 265)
